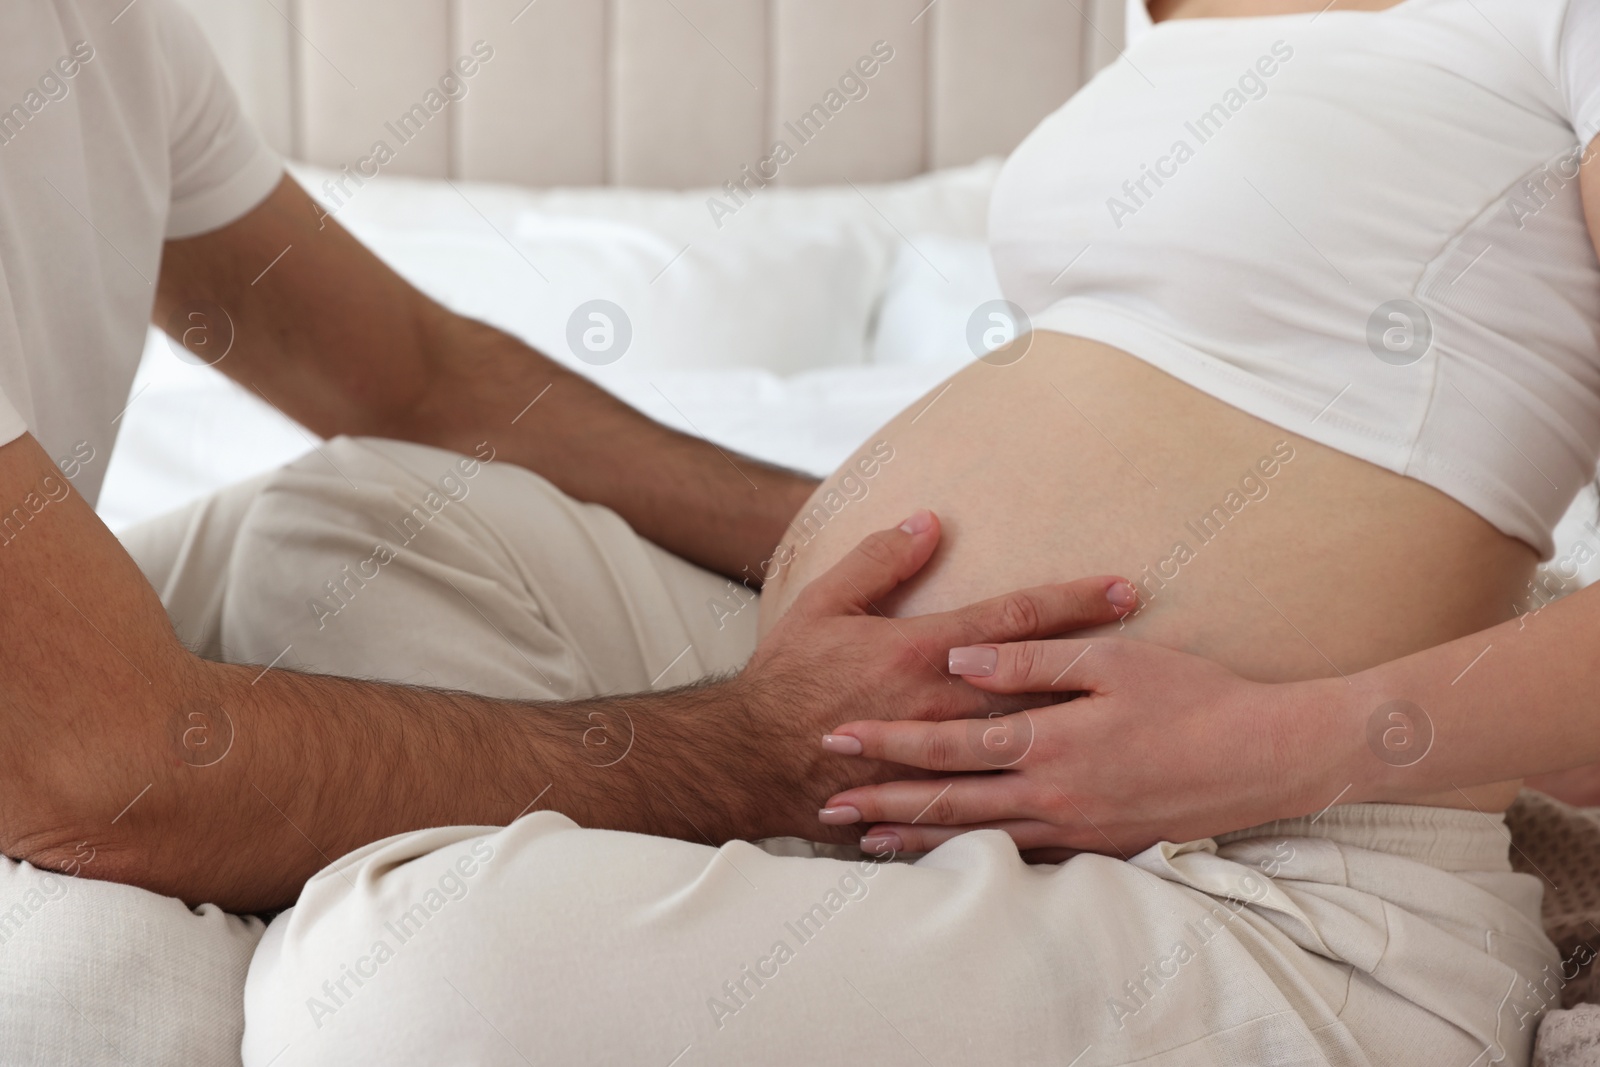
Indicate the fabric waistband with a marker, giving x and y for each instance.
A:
(1447, 838)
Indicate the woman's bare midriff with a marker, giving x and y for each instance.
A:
(1278, 557)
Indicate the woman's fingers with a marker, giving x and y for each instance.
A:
(1061, 666)
(988, 744)
(932, 802)
(887, 839)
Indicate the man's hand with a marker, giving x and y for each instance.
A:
(1151, 751)
(833, 655)
(336, 340)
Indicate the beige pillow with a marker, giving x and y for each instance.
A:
(98, 973)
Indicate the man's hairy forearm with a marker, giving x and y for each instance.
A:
(723, 511)
(256, 781)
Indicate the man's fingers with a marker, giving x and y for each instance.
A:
(974, 744)
(1042, 611)
(1062, 666)
(887, 839)
(873, 569)
(960, 801)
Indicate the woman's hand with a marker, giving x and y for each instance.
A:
(1161, 745)
(833, 654)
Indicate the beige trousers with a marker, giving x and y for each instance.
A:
(1383, 935)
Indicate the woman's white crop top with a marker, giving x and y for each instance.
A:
(1364, 227)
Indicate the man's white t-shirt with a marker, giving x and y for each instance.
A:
(118, 131)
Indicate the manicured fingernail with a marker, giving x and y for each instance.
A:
(920, 522)
(842, 744)
(977, 661)
(840, 816)
(881, 844)
(1122, 595)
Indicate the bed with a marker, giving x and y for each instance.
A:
(597, 152)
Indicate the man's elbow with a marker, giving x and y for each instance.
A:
(68, 831)
(79, 859)
(107, 791)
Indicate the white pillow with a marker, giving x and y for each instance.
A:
(779, 300)
(935, 287)
(98, 973)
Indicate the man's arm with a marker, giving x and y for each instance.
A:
(333, 337)
(98, 700)
(97, 776)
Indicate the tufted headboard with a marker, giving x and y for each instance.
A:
(656, 93)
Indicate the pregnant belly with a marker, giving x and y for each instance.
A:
(1275, 556)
